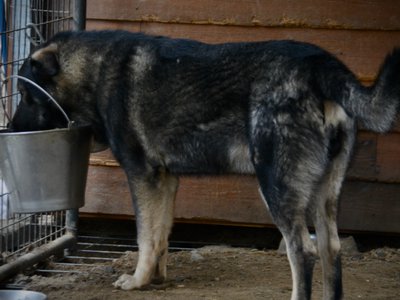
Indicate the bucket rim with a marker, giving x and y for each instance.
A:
(24, 293)
(5, 132)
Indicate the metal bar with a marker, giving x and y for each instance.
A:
(43, 91)
(71, 222)
(107, 238)
(79, 15)
(71, 225)
(101, 251)
(107, 245)
(35, 256)
(88, 258)
(60, 271)
(70, 264)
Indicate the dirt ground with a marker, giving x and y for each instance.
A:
(220, 272)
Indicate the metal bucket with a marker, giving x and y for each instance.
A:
(45, 170)
(21, 295)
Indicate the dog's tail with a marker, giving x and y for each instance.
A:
(375, 106)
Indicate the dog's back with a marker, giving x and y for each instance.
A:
(191, 104)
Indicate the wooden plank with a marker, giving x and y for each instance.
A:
(235, 200)
(363, 163)
(396, 127)
(372, 14)
(103, 158)
(107, 192)
(388, 157)
(370, 207)
(112, 25)
(362, 51)
(232, 199)
(367, 164)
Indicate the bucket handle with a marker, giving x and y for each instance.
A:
(44, 92)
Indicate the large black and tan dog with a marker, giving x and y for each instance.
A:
(284, 110)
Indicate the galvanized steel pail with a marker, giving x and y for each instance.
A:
(45, 170)
(21, 295)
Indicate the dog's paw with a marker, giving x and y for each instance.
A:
(127, 282)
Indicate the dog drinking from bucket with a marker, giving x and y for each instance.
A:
(282, 110)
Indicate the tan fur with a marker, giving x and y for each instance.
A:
(334, 113)
(239, 158)
(153, 232)
(327, 205)
(40, 55)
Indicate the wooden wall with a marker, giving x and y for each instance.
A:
(358, 32)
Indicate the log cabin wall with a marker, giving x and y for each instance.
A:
(359, 32)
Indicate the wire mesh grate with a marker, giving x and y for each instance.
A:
(21, 233)
(24, 25)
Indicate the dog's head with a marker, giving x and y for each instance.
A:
(35, 110)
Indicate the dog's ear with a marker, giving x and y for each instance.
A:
(44, 62)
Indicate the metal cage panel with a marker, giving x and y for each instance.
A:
(24, 25)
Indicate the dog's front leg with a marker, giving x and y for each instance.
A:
(154, 202)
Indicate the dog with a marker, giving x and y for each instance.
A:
(285, 111)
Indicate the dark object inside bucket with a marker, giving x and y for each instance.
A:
(45, 170)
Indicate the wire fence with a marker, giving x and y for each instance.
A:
(24, 25)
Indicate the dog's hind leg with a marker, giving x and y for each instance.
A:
(327, 234)
(326, 214)
(286, 186)
(289, 215)
(154, 202)
(290, 160)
